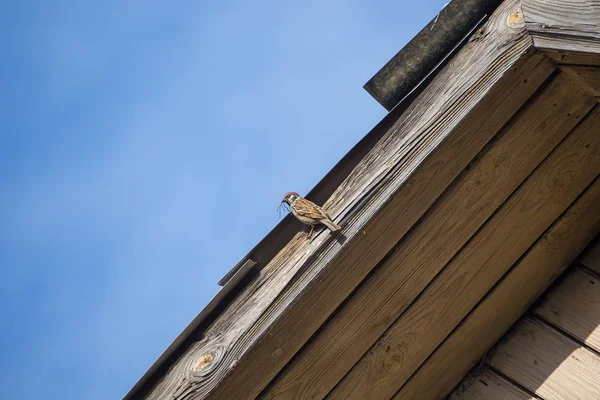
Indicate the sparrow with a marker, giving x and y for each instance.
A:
(308, 212)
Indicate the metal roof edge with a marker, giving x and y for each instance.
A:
(421, 54)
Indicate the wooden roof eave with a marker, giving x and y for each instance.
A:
(234, 281)
(462, 14)
(391, 186)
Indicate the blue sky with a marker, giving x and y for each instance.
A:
(145, 147)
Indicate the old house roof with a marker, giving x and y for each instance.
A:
(492, 154)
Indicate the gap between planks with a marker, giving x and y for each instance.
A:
(547, 362)
(486, 384)
(573, 307)
(591, 258)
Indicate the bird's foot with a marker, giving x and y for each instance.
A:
(312, 228)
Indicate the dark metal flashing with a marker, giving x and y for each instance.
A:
(432, 44)
(413, 78)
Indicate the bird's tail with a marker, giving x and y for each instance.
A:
(331, 225)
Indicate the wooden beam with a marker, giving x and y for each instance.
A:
(548, 363)
(488, 385)
(540, 200)
(563, 57)
(568, 31)
(591, 258)
(446, 227)
(468, 343)
(463, 108)
(586, 77)
(574, 307)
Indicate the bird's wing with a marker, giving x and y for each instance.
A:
(310, 210)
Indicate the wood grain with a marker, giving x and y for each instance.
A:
(455, 217)
(568, 26)
(574, 307)
(503, 305)
(591, 258)
(463, 108)
(548, 363)
(585, 76)
(487, 385)
(541, 199)
(565, 57)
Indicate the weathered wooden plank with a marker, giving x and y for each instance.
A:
(503, 305)
(455, 217)
(591, 258)
(574, 307)
(488, 385)
(546, 193)
(548, 363)
(564, 57)
(565, 27)
(585, 76)
(467, 103)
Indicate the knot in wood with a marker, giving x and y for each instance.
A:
(204, 361)
(563, 181)
(277, 352)
(515, 17)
